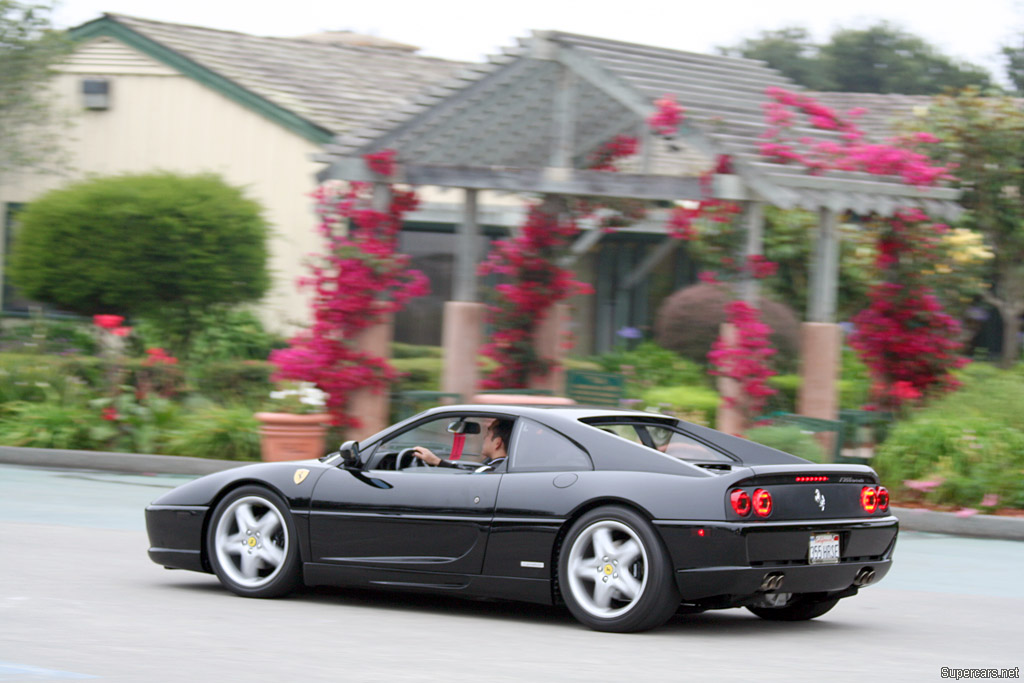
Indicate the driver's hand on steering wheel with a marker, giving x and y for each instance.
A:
(426, 455)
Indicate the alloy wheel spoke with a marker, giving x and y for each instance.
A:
(602, 594)
(271, 554)
(250, 565)
(585, 569)
(603, 544)
(627, 553)
(628, 586)
(269, 523)
(244, 518)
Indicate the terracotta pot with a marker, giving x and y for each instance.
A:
(284, 436)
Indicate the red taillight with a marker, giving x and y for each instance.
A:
(804, 480)
(740, 500)
(883, 498)
(869, 498)
(762, 503)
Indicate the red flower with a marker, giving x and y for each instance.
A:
(110, 414)
(121, 331)
(108, 322)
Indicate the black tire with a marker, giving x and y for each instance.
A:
(800, 609)
(605, 603)
(266, 565)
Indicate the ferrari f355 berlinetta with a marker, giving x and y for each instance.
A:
(625, 517)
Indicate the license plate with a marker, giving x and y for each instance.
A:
(824, 549)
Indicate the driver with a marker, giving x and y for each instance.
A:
(494, 449)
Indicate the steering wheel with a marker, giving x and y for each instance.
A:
(408, 453)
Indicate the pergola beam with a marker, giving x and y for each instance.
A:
(536, 180)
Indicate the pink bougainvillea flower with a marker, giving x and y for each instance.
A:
(989, 500)
(121, 331)
(922, 486)
(108, 322)
(966, 512)
(667, 116)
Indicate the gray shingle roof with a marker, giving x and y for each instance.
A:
(337, 87)
(505, 115)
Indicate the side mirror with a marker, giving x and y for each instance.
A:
(349, 452)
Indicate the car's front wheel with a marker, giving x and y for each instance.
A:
(252, 545)
(800, 608)
(614, 572)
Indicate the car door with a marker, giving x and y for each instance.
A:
(418, 518)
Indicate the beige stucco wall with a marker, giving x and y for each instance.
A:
(162, 120)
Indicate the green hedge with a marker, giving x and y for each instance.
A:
(788, 438)
(692, 403)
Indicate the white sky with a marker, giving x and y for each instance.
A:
(471, 29)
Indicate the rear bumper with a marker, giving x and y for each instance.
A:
(698, 584)
(729, 559)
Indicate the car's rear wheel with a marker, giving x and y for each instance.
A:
(800, 608)
(614, 572)
(252, 545)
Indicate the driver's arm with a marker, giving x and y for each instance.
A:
(428, 456)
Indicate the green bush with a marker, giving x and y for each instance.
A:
(48, 336)
(788, 438)
(418, 374)
(969, 457)
(693, 403)
(48, 425)
(400, 350)
(225, 433)
(163, 246)
(34, 377)
(245, 382)
(650, 365)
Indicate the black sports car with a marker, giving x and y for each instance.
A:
(625, 517)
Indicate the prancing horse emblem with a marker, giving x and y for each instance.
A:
(819, 498)
(300, 476)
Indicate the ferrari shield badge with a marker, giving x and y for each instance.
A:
(300, 476)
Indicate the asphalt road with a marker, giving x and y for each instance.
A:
(80, 600)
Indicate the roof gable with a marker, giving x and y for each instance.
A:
(576, 92)
(316, 89)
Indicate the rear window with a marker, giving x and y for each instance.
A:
(664, 438)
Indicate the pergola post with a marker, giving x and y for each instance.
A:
(820, 336)
(372, 406)
(462, 329)
(731, 418)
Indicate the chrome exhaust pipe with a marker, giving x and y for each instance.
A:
(772, 581)
(865, 576)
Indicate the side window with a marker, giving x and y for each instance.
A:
(671, 442)
(536, 448)
(435, 436)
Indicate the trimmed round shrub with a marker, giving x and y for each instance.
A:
(159, 245)
(688, 323)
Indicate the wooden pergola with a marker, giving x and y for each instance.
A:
(527, 121)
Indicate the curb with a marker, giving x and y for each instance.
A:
(911, 519)
(134, 463)
(980, 526)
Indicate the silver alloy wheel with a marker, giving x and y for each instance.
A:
(607, 568)
(251, 541)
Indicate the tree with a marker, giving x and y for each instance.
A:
(879, 59)
(885, 59)
(28, 49)
(166, 247)
(788, 50)
(985, 136)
